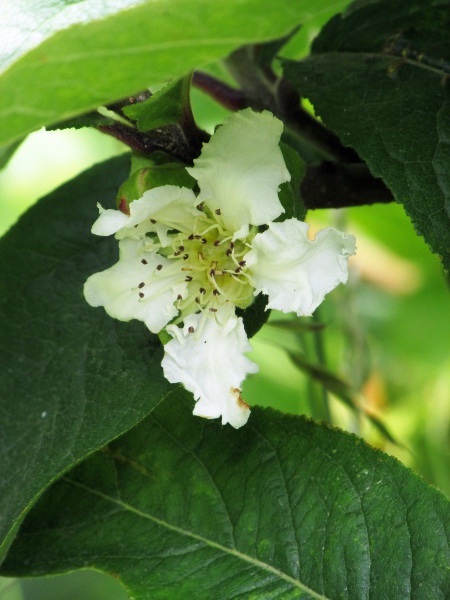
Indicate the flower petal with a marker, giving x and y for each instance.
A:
(109, 221)
(168, 207)
(120, 290)
(211, 364)
(295, 272)
(240, 169)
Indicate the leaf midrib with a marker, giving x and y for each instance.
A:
(211, 543)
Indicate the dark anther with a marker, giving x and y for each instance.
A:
(203, 240)
(159, 267)
(197, 237)
(231, 244)
(197, 300)
(212, 272)
(141, 285)
(229, 252)
(179, 297)
(242, 263)
(141, 295)
(191, 329)
(200, 206)
(144, 262)
(188, 278)
(185, 256)
(152, 221)
(217, 211)
(238, 270)
(202, 291)
(216, 292)
(181, 248)
(191, 237)
(217, 243)
(176, 253)
(213, 309)
(136, 225)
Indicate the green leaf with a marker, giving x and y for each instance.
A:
(379, 77)
(7, 152)
(255, 316)
(72, 378)
(92, 119)
(282, 508)
(105, 59)
(290, 190)
(163, 108)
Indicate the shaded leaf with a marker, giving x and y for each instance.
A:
(290, 190)
(92, 119)
(282, 508)
(379, 77)
(72, 378)
(255, 316)
(163, 108)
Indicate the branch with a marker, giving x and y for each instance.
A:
(330, 185)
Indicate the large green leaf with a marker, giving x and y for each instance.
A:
(90, 64)
(282, 508)
(71, 377)
(379, 77)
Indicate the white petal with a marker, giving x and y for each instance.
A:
(211, 365)
(295, 272)
(241, 168)
(117, 288)
(170, 206)
(109, 221)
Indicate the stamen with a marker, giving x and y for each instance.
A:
(202, 290)
(141, 295)
(179, 297)
(216, 292)
(229, 252)
(185, 256)
(217, 243)
(213, 309)
(242, 263)
(152, 221)
(191, 329)
(191, 237)
(144, 262)
(141, 285)
(159, 267)
(181, 248)
(203, 241)
(188, 278)
(217, 211)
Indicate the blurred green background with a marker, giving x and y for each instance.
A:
(386, 334)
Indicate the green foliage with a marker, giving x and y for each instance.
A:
(379, 77)
(102, 60)
(72, 378)
(163, 108)
(184, 508)
(290, 190)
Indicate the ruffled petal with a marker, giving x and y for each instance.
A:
(240, 170)
(209, 361)
(160, 209)
(295, 272)
(135, 289)
(109, 221)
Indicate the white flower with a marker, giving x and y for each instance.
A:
(191, 260)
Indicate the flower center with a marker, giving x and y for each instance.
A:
(213, 266)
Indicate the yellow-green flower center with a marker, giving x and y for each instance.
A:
(213, 265)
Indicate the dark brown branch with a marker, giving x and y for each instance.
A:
(331, 185)
(229, 97)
